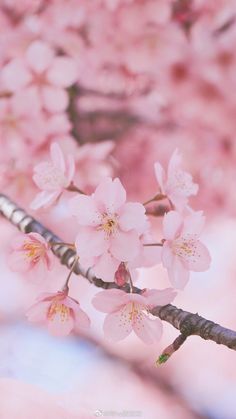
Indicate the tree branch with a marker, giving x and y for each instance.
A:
(188, 323)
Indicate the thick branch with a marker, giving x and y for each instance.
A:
(188, 323)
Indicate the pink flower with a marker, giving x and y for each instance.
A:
(109, 228)
(127, 312)
(177, 185)
(182, 251)
(30, 252)
(61, 313)
(43, 73)
(52, 177)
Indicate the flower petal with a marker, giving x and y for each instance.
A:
(106, 267)
(62, 72)
(90, 242)
(54, 99)
(84, 208)
(125, 246)
(15, 75)
(108, 301)
(44, 199)
(200, 260)
(167, 255)
(132, 216)
(178, 274)
(59, 325)
(159, 297)
(117, 326)
(39, 56)
(160, 176)
(148, 330)
(172, 223)
(57, 157)
(82, 321)
(110, 195)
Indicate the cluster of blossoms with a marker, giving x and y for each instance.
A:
(114, 238)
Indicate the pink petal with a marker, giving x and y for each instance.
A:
(117, 326)
(106, 267)
(148, 330)
(132, 216)
(172, 224)
(57, 156)
(60, 326)
(160, 176)
(174, 163)
(58, 124)
(91, 242)
(44, 199)
(38, 312)
(70, 168)
(159, 297)
(194, 223)
(108, 301)
(54, 99)
(63, 72)
(178, 200)
(110, 195)
(125, 246)
(200, 260)
(15, 75)
(39, 56)
(84, 208)
(178, 274)
(167, 255)
(82, 321)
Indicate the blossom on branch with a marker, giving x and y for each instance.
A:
(42, 73)
(182, 250)
(109, 229)
(177, 184)
(52, 177)
(30, 252)
(127, 312)
(61, 313)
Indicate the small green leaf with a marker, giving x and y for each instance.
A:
(162, 359)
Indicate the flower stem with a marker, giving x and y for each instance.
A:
(66, 285)
(153, 244)
(73, 188)
(157, 197)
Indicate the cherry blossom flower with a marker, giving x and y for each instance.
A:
(127, 312)
(177, 185)
(52, 177)
(43, 73)
(61, 313)
(182, 250)
(30, 253)
(109, 228)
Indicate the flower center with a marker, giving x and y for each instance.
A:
(58, 308)
(134, 312)
(33, 251)
(109, 224)
(184, 247)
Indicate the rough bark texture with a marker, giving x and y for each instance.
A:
(188, 323)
